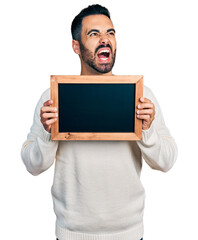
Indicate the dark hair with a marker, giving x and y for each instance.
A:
(94, 9)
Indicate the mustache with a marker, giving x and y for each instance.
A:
(102, 46)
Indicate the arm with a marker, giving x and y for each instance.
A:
(38, 151)
(158, 148)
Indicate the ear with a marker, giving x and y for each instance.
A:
(76, 46)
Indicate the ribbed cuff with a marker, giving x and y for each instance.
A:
(45, 136)
(131, 234)
(146, 134)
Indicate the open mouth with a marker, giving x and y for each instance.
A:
(104, 54)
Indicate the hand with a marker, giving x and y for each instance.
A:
(146, 112)
(48, 115)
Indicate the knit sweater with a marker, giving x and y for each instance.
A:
(97, 192)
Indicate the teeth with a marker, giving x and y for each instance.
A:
(104, 51)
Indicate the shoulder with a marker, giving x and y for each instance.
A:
(148, 93)
(45, 95)
(43, 98)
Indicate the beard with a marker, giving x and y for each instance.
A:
(90, 59)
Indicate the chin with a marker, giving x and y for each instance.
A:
(104, 68)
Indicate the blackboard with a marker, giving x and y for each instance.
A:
(96, 107)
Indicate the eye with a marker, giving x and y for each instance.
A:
(111, 33)
(93, 34)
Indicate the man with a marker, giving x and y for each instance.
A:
(97, 192)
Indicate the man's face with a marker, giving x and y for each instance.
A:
(98, 43)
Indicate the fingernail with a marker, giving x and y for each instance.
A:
(55, 109)
(142, 99)
(56, 114)
(139, 106)
(138, 111)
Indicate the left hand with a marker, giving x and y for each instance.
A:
(146, 112)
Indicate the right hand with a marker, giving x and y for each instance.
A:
(48, 115)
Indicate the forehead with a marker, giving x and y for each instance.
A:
(100, 22)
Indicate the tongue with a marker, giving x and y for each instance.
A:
(103, 55)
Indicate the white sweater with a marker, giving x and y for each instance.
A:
(97, 192)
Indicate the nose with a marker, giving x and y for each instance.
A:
(104, 39)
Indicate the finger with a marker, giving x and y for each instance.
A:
(144, 117)
(48, 109)
(145, 105)
(145, 111)
(144, 100)
(48, 103)
(49, 115)
(50, 121)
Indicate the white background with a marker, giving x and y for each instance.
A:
(157, 39)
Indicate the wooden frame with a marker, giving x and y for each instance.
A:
(125, 136)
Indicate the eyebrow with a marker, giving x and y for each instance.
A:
(111, 30)
(96, 30)
(93, 30)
